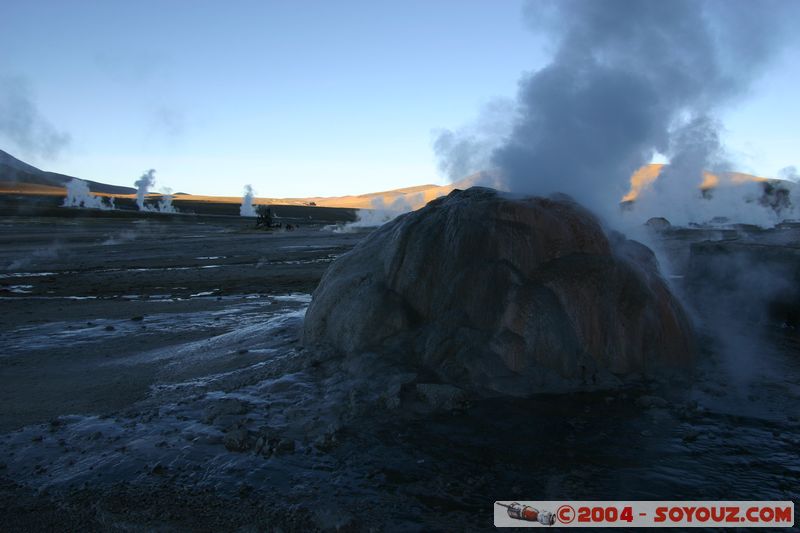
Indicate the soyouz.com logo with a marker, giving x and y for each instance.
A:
(644, 514)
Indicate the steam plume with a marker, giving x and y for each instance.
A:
(381, 212)
(143, 184)
(247, 209)
(22, 124)
(626, 78)
(469, 149)
(79, 195)
(684, 193)
(165, 204)
(789, 173)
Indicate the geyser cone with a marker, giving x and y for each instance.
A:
(494, 294)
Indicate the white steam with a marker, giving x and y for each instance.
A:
(247, 209)
(143, 185)
(627, 80)
(79, 195)
(677, 195)
(789, 173)
(165, 204)
(380, 212)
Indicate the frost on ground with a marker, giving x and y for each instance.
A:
(143, 391)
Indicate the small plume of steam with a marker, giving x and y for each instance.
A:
(165, 204)
(380, 212)
(121, 238)
(79, 195)
(789, 173)
(143, 185)
(41, 255)
(247, 209)
(22, 124)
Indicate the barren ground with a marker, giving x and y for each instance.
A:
(152, 378)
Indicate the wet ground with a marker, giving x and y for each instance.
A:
(152, 378)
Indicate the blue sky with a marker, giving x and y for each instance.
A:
(297, 98)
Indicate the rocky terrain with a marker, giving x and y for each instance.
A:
(153, 377)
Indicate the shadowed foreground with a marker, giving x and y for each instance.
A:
(152, 378)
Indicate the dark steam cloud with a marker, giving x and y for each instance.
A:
(22, 124)
(168, 121)
(625, 77)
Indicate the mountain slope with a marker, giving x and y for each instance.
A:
(14, 171)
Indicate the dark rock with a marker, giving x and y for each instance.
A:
(442, 396)
(658, 223)
(332, 518)
(327, 441)
(237, 440)
(494, 294)
(225, 407)
(691, 435)
(651, 401)
(245, 490)
(285, 446)
(269, 442)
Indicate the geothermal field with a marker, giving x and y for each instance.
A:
(399, 266)
(158, 373)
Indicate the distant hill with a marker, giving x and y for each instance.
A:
(14, 171)
(18, 177)
(416, 196)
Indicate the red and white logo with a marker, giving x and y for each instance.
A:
(644, 514)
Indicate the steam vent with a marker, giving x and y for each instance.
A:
(500, 295)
